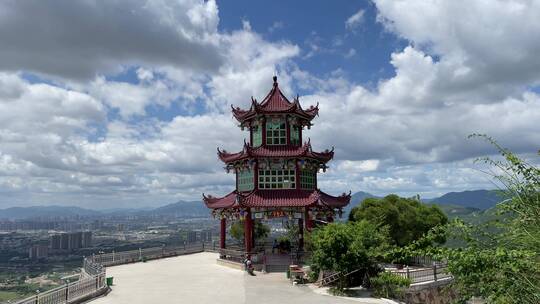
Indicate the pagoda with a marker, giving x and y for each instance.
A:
(276, 173)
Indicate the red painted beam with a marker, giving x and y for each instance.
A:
(248, 232)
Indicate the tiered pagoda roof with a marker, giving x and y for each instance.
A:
(277, 198)
(274, 103)
(304, 151)
(276, 106)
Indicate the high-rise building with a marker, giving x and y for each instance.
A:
(64, 241)
(71, 241)
(87, 239)
(55, 242)
(38, 252)
(75, 240)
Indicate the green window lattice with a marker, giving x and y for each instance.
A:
(277, 179)
(276, 132)
(307, 179)
(245, 180)
(295, 135)
(257, 136)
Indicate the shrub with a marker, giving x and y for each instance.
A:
(284, 243)
(335, 291)
(347, 247)
(388, 285)
(313, 275)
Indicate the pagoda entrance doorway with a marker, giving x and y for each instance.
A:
(291, 225)
(293, 220)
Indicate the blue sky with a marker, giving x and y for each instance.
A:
(322, 24)
(124, 103)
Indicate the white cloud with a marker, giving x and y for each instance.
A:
(63, 143)
(461, 76)
(79, 39)
(277, 25)
(131, 161)
(359, 166)
(485, 49)
(133, 99)
(248, 71)
(355, 20)
(350, 53)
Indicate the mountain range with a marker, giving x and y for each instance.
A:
(452, 203)
(45, 212)
(480, 199)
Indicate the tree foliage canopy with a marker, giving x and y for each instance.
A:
(408, 219)
(349, 246)
(500, 260)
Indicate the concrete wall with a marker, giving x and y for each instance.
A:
(430, 293)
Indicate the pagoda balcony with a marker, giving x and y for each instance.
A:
(303, 152)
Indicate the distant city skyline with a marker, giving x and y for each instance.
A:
(122, 105)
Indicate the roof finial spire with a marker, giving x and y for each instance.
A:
(275, 80)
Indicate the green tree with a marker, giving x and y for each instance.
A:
(346, 247)
(260, 230)
(500, 260)
(408, 219)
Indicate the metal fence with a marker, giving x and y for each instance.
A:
(92, 280)
(425, 261)
(421, 275)
(262, 260)
(124, 257)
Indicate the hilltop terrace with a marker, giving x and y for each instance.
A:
(197, 278)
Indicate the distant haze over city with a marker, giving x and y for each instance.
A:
(477, 200)
(125, 107)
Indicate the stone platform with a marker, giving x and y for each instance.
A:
(197, 278)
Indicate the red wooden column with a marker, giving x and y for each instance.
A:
(222, 233)
(252, 233)
(308, 221)
(248, 231)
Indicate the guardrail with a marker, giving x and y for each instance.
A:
(92, 280)
(434, 273)
(91, 283)
(124, 257)
(264, 261)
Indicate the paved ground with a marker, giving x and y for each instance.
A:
(197, 278)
